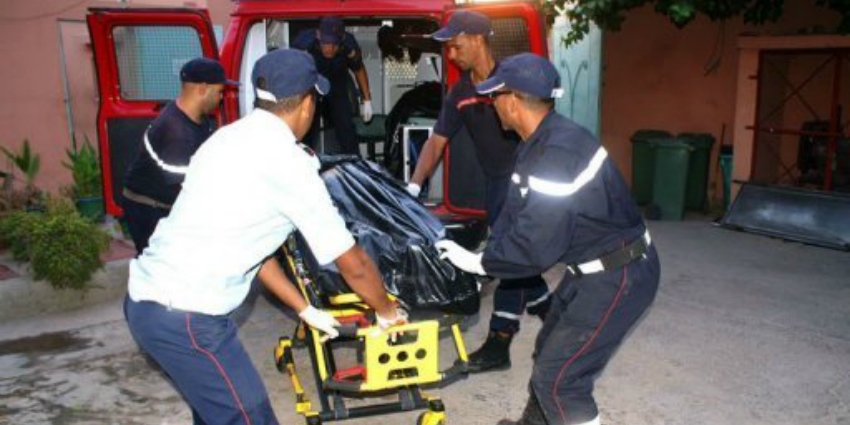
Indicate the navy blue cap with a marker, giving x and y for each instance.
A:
(527, 73)
(331, 30)
(204, 70)
(285, 73)
(464, 22)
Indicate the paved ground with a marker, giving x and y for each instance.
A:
(745, 330)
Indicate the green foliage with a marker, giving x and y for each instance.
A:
(16, 230)
(609, 15)
(62, 247)
(26, 161)
(84, 163)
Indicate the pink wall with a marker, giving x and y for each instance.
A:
(33, 97)
(655, 76)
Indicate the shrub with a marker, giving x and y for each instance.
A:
(62, 246)
(84, 165)
(22, 196)
(16, 230)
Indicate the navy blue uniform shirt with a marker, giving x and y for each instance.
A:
(463, 106)
(567, 203)
(174, 138)
(348, 57)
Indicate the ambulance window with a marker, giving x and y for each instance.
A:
(510, 36)
(150, 57)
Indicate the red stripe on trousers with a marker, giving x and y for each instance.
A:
(220, 370)
(584, 347)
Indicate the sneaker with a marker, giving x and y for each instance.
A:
(494, 354)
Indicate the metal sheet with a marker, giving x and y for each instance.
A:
(803, 215)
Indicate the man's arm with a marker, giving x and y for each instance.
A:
(362, 276)
(275, 280)
(363, 83)
(429, 157)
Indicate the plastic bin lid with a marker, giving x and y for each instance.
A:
(671, 143)
(697, 140)
(646, 135)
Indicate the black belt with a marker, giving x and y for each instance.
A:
(614, 259)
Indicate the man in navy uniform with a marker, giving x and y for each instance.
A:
(154, 177)
(466, 37)
(336, 52)
(247, 188)
(567, 204)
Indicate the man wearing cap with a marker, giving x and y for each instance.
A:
(336, 52)
(154, 177)
(567, 203)
(246, 189)
(466, 38)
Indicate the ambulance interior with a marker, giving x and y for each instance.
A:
(406, 72)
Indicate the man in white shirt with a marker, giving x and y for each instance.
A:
(246, 189)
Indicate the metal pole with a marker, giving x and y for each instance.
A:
(65, 86)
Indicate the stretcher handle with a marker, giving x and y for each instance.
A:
(348, 330)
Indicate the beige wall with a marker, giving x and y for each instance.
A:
(31, 77)
(655, 75)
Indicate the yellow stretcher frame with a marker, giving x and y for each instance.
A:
(403, 366)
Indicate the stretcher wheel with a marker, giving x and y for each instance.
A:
(431, 418)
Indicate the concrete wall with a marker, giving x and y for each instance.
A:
(658, 76)
(33, 104)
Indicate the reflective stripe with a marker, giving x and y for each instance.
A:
(506, 315)
(493, 89)
(515, 178)
(176, 169)
(553, 188)
(537, 301)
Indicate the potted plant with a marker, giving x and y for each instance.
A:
(28, 163)
(87, 189)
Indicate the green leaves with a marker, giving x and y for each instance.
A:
(61, 246)
(609, 15)
(84, 163)
(25, 160)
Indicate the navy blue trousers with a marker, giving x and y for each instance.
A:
(512, 296)
(141, 222)
(205, 361)
(589, 318)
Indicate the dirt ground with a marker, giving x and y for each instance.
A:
(745, 330)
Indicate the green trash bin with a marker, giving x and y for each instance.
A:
(643, 163)
(726, 169)
(697, 188)
(670, 179)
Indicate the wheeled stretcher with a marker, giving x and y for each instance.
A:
(384, 366)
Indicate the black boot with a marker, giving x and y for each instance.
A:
(495, 354)
(531, 415)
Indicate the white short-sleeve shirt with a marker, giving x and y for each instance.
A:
(246, 189)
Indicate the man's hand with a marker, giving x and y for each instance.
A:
(414, 189)
(366, 111)
(385, 323)
(469, 262)
(321, 320)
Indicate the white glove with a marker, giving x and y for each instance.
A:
(321, 320)
(399, 319)
(469, 262)
(366, 111)
(414, 189)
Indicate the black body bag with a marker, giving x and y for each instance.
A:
(398, 233)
